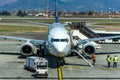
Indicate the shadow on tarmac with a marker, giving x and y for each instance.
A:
(52, 61)
(76, 64)
(9, 53)
(101, 53)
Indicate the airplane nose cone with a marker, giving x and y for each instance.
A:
(60, 48)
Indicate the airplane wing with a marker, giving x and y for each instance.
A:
(22, 39)
(27, 48)
(96, 39)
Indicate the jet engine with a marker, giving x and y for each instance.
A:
(27, 49)
(89, 48)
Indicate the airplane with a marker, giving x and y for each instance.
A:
(59, 41)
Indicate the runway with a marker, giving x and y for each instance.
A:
(12, 67)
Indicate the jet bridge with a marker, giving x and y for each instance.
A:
(80, 31)
(83, 29)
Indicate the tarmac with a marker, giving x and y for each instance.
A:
(75, 68)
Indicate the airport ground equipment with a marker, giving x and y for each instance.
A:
(78, 52)
(37, 64)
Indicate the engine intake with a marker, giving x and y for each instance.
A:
(27, 49)
(89, 48)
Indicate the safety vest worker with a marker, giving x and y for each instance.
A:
(93, 59)
(115, 59)
(108, 59)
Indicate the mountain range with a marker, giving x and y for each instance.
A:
(63, 5)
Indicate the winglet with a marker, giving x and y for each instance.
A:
(56, 12)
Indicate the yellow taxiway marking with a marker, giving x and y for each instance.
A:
(110, 69)
(60, 76)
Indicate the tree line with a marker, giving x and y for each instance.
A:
(18, 13)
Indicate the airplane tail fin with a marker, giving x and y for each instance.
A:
(56, 12)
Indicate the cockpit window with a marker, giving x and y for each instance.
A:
(59, 40)
(64, 40)
(56, 40)
(52, 39)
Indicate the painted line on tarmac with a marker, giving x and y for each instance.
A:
(60, 75)
(75, 67)
(110, 69)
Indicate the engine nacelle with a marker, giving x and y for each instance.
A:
(27, 49)
(89, 48)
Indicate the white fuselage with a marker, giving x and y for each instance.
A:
(59, 43)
